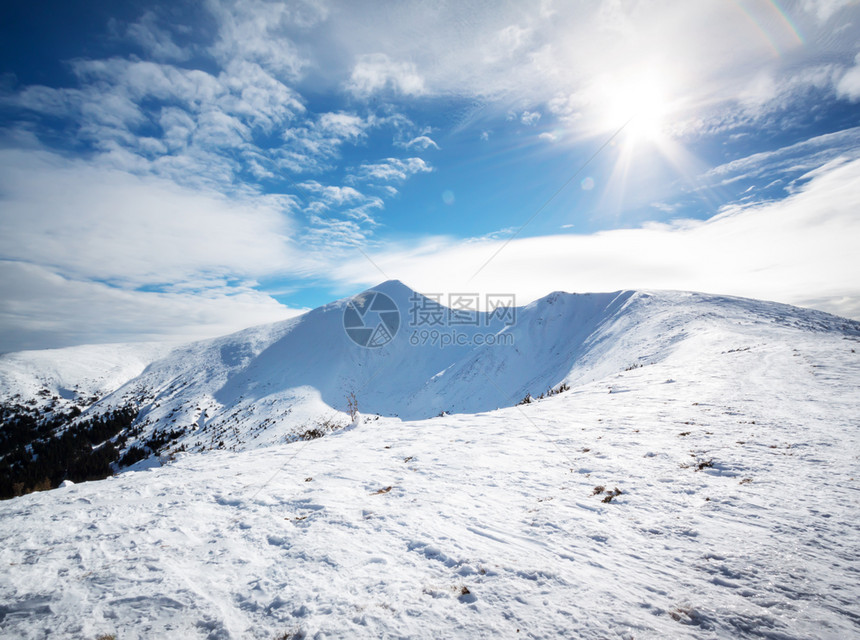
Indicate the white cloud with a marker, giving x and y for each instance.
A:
(421, 142)
(800, 157)
(313, 143)
(801, 250)
(242, 89)
(364, 212)
(157, 42)
(114, 226)
(41, 309)
(377, 72)
(849, 84)
(259, 31)
(346, 126)
(568, 107)
(510, 40)
(139, 80)
(825, 9)
(177, 126)
(335, 234)
(758, 91)
(765, 94)
(338, 217)
(206, 121)
(258, 96)
(393, 169)
(529, 118)
(333, 196)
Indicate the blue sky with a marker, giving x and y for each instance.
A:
(179, 170)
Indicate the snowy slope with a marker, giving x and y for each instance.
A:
(73, 373)
(295, 373)
(267, 384)
(736, 452)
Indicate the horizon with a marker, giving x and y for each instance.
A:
(441, 299)
(173, 173)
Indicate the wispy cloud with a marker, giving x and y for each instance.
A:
(184, 124)
(332, 195)
(825, 9)
(800, 250)
(393, 169)
(709, 55)
(798, 158)
(529, 118)
(421, 143)
(849, 83)
(155, 40)
(377, 72)
(262, 33)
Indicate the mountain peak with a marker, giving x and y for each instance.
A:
(396, 290)
(392, 287)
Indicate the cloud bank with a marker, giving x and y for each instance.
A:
(800, 250)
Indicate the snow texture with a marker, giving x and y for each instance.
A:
(698, 480)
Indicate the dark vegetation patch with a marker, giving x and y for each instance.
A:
(609, 495)
(39, 448)
(553, 391)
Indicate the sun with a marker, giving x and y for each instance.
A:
(639, 104)
(638, 112)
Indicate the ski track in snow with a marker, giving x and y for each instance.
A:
(762, 541)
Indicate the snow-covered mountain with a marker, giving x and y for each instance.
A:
(73, 374)
(267, 384)
(274, 383)
(698, 480)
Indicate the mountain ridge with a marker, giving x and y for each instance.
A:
(292, 375)
(275, 383)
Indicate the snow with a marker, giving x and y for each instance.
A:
(734, 445)
(268, 384)
(74, 373)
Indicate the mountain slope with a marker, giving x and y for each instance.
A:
(271, 384)
(44, 439)
(74, 373)
(735, 454)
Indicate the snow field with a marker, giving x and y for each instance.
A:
(736, 457)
